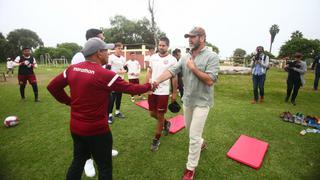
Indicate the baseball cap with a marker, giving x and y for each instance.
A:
(174, 107)
(92, 33)
(94, 45)
(196, 31)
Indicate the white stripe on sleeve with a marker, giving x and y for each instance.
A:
(65, 73)
(113, 80)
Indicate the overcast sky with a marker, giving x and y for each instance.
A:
(229, 24)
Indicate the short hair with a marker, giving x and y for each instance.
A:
(92, 33)
(118, 44)
(27, 47)
(176, 51)
(151, 48)
(165, 39)
(298, 55)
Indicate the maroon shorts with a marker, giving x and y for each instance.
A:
(31, 78)
(158, 103)
(134, 81)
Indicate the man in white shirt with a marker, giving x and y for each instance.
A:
(147, 57)
(26, 64)
(158, 100)
(116, 62)
(78, 57)
(133, 71)
(10, 66)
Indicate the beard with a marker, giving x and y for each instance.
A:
(194, 46)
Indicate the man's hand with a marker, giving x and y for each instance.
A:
(190, 64)
(155, 85)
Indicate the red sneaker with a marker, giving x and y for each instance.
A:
(188, 174)
(203, 146)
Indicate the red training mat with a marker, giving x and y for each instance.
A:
(249, 151)
(144, 104)
(177, 123)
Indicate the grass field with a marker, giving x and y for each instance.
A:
(40, 147)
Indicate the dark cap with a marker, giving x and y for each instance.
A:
(92, 33)
(94, 45)
(174, 107)
(196, 31)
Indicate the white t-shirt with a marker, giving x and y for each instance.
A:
(78, 58)
(158, 66)
(133, 67)
(9, 64)
(147, 58)
(117, 63)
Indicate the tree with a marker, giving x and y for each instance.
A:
(130, 32)
(153, 23)
(274, 30)
(240, 53)
(20, 38)
(308, 47)
(239, 56)
(73, 47)
(296, 34)
(214, 48)
(3, 50)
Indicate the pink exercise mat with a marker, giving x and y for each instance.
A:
(249, 151)
(177, 123)
(144, 104)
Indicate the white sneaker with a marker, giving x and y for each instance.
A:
(114, 152)
(89, 168)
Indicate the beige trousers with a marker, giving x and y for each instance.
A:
(195, 119)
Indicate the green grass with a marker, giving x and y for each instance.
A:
(40, 147)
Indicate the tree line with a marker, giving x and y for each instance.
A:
(139, 32)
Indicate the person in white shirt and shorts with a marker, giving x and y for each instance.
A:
(158, 100)
(134, 70)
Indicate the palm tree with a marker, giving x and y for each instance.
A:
(274, 30)
(296, 34)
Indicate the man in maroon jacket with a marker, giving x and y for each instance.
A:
(90, 87)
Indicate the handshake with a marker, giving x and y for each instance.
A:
(154, 86)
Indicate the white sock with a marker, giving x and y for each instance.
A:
(117, 111)
(110, 114)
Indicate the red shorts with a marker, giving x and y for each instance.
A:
(158, 103)
(31, 78)
(134, 81)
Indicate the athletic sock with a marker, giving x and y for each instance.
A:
(22, 87)
(35, 90)
(157, 137)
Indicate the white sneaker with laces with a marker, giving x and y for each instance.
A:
(114, 152)
(89, 168)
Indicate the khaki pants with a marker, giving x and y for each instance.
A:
(195, 118)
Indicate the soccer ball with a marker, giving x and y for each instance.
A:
(11, 121)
